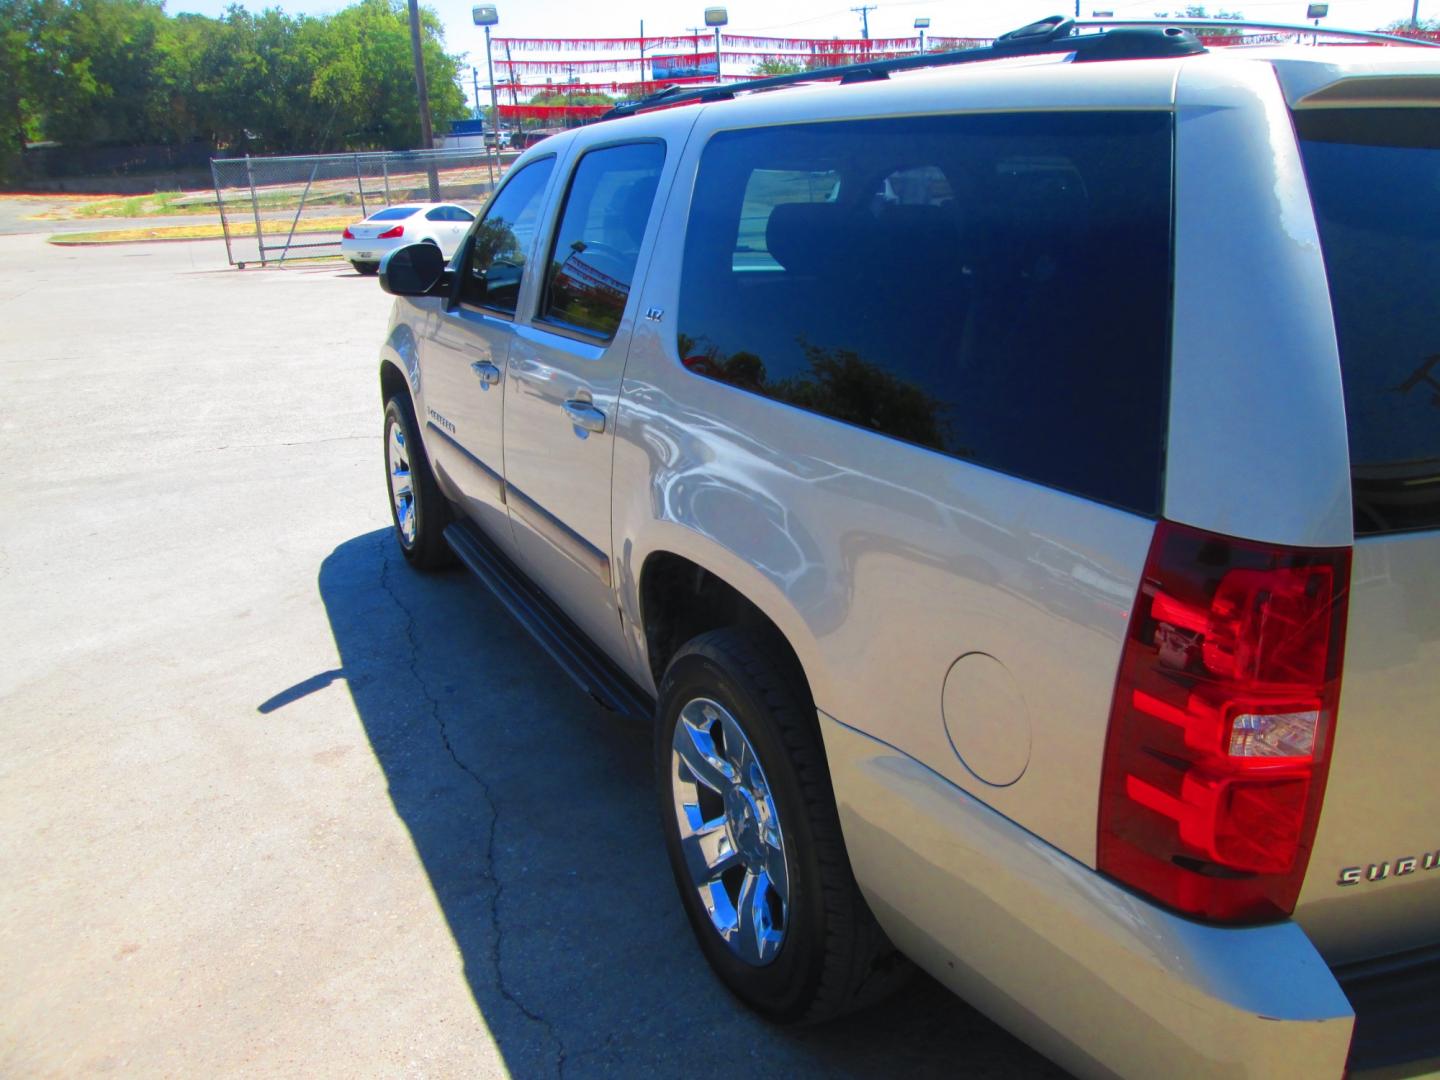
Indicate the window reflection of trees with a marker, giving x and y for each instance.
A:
(583, 294)
(497, 263)
(838, 383)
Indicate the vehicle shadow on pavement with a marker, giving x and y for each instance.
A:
(534, 814)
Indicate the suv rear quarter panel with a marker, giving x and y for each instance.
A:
(1257, 445)
(885, 563)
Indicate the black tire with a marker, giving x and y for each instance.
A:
(368, 269)
(427, 549)
(833, 957)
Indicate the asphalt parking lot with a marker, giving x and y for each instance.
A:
(271, 803)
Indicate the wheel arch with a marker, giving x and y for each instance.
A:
(400, 362)
(392, 381)
(682, 592)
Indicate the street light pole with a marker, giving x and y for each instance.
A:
(486, 16)
(494, 101)
(717, 17)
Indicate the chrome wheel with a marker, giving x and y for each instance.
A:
(402, 491)
(730, 831)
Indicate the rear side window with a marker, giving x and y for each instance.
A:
(1374, 179)
(393, 213)
(592, 261)
(765, 189)
(996, 287)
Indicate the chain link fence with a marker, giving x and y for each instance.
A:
(278, 208)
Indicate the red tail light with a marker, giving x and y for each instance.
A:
(391, 234)
(1221, 726)
(347, 234)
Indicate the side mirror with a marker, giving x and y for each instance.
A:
(413, 270)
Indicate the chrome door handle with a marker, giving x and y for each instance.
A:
(488, 373)
(584, 415)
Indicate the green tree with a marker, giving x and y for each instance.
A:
(560, 97)
(777, 65)
(19, 112)
(362, 74)
(123, 72)
(1431, 25)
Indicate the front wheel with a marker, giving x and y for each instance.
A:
(754, 839)
(417, 507)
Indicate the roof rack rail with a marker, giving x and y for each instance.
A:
(1247, 24)
(1053, 35)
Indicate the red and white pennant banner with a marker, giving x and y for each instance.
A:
(745, 43)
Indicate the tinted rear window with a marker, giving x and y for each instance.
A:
(996, 288)
(393, 213)
(1375, 181)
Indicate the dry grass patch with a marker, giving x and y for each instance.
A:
(199, 232)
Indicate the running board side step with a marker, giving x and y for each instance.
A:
(577, 655)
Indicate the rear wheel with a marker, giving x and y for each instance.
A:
(366, 268)
(417, 507)
(754, 839)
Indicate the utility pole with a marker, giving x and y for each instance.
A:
(864, 12)
(1415, 15)
(427, 136)
(696, 31)
(642, 49)
(475, 82)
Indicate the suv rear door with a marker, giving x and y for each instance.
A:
(563, 380)
(1373, 884)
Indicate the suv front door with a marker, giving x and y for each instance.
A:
(469, 339)
(563, 382)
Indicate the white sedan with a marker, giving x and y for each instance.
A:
(442, 224)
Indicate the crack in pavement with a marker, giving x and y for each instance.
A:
(297, 442)
(386, 543)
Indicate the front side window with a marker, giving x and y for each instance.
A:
(992, 287)
(597, 244)
(501, 241)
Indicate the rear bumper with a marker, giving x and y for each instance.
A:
(366, 250)
(1397, 1013)
(1091, 975)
